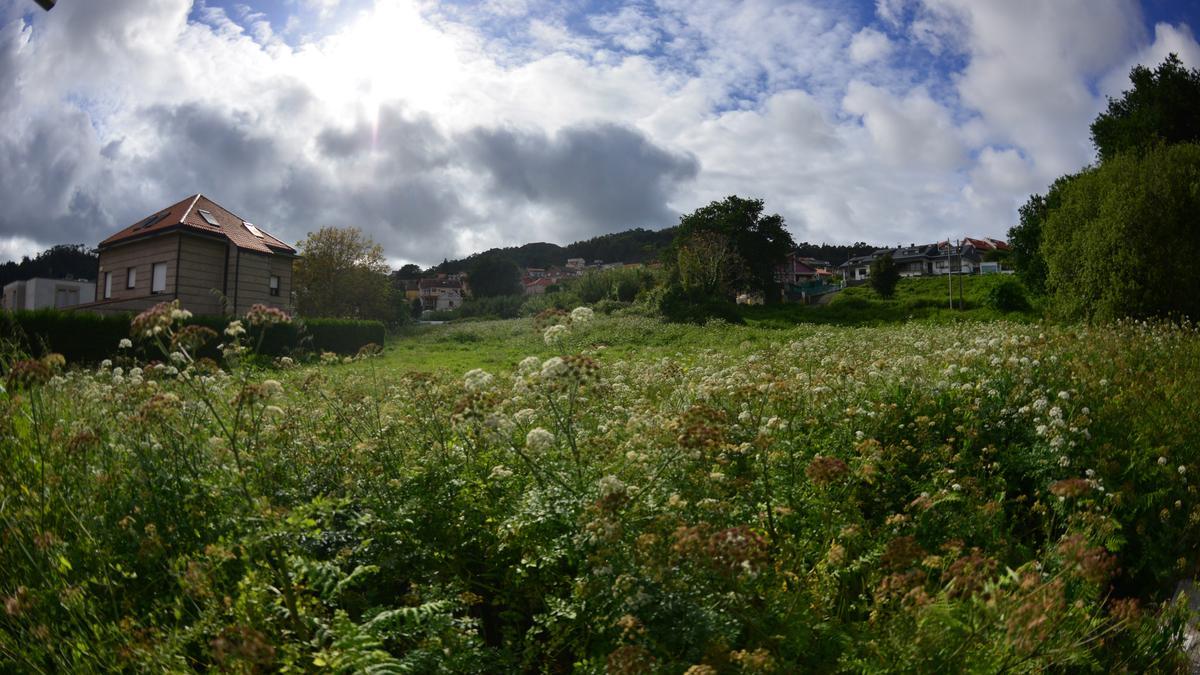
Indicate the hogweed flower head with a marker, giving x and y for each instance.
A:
(555, 334)
(582, 315)
(539, 440)
(265, 315)
(477, 379)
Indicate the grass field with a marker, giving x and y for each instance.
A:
(612, 495)
(924, 299)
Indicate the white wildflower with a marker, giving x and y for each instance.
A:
(555, 334)
(554, 367)
(272, 388)
(539, 440)
(125, 343)
(528, 365)
(610, 486)
(477, 379)
(581, 315)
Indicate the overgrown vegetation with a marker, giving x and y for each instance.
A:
(611, 494)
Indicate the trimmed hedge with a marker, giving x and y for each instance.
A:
(83, 337)
(79, 336)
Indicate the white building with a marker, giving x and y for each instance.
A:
(40, 293)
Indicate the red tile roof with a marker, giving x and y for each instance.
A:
(186, 215)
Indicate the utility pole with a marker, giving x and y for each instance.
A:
(961, 305)
(949, 274)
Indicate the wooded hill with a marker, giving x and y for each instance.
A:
(638, 245)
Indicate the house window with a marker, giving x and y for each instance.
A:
(107, 285)
(131, 277)
(274, 285)
(158, 278)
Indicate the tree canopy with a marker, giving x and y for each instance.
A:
(884, 275)
(1124, 240)
(492, 275)
(342, 273)
(761, 242)
(1162, 107)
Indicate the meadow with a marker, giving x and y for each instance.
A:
(608, 493)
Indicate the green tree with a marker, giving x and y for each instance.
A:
(1162, 107)
(884, 275)
(409, 271)
(1025, 238)
(760, 242)
(1124, 241)
(342, 273)
(491, 276)
(707, 265)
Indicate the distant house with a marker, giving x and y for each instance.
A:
(440, 293)
(41, 293)
(411, 288)
(197, 251)
(795, 271)
(576, 263)
(537, 286)
(917, 260)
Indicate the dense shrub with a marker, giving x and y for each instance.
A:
(1124, 241)
(495, 307)
(624, 284)
(679, 306)
(1008, 296)
(79, 336)
(343, 336)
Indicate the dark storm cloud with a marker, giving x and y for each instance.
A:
(405, 142)
(41, 189)
(608, 176)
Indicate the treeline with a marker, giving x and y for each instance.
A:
(56, 262)
(631, 246)
(834, 253)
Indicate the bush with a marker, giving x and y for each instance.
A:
(496, 307)
(884, 276)
(1008, 296)
(83, 337)
(679, 306)
(616, 284)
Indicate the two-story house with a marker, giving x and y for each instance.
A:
(212, 260)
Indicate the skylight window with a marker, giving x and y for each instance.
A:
(208, 217)
(253, 230)
(150, 221)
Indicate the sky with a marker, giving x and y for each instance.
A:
(442, 129)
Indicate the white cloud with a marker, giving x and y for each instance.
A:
(912, 130)
(869, 45)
